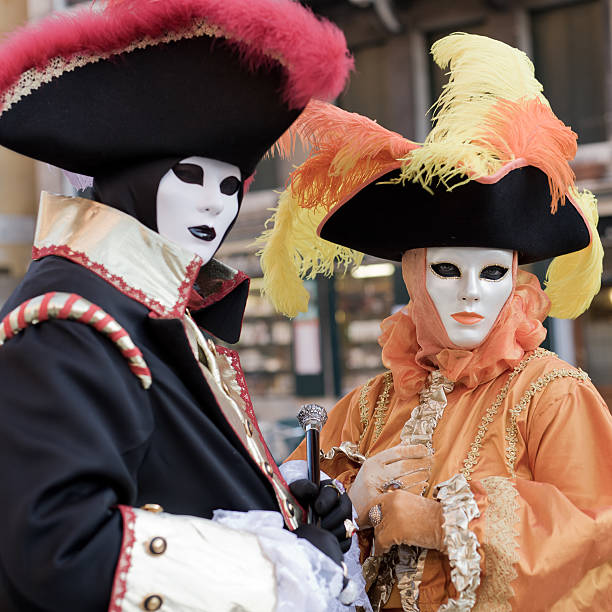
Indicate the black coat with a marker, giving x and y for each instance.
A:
(79, 435)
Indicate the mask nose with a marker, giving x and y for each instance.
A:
(211, 206)
(470, 288)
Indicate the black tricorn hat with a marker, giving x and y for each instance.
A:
(386, 218)
(95, 90)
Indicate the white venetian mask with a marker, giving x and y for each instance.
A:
(468, 286)
(197, 201)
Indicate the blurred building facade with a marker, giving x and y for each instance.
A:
(332, 348)
(395, 82)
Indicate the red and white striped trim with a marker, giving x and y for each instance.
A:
(72, 306)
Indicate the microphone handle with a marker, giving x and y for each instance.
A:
(314, 471)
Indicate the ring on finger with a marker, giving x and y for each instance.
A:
(375, 515)
(392, 484)
(334, 486)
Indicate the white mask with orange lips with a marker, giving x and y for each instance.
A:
(468, 286)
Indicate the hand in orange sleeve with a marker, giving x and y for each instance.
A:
(408, 466)
(410, 519)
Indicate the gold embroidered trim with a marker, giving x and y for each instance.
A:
(34, 78)
(459, 509)
(349, 449)
(474, 453)
(538, 385)
(419, 429)
(363, 409)
(500, 546)
(382, 405)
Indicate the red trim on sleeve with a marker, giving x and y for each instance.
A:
(65, 311)
(43, 312)
(89, 315)
(115, 336)
(124, 562)
(102, 323)
(21, 322)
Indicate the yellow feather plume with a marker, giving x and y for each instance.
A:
(347, 151)
(483, 71)
(292, 252)
(573, 280)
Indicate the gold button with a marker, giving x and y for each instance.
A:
(249, 428)
(157, 546)
(225, 388)
(155, 508)
(268, 468)
(290, 508)
(152, 602)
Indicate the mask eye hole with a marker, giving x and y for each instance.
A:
(229, 186)
(189, 173)
(446, 270)
(493, 273)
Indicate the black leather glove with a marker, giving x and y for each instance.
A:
(332, 507)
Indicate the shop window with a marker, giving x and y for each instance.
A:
(362, 303)
(569, 51)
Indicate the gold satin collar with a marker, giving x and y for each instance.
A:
(134, 259)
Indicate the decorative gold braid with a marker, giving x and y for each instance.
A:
(538, 385)
(474, 453)
(35, 78)
(363, 409)
(382, 404)
(499, 546)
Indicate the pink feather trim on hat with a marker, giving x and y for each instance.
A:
(312, 50)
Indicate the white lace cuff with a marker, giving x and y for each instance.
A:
(297, 469)
(460, 544)
(306, 579)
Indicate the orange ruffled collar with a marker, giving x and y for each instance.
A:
(414, 342)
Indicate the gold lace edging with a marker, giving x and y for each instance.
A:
(380, 409)
(404, 564)
(382, 404)
(364, 418)
(349, 449)
(500, 546)
(419, 428)
(34, 78)
(460, 543)
(538, 385)
(469, 464)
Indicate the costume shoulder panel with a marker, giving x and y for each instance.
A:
(70, 306)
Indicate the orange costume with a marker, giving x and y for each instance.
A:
(531, 435)
(513, 510)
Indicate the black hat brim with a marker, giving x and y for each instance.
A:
(176, 99)
(385, 220)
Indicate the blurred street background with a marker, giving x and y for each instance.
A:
(325, 353)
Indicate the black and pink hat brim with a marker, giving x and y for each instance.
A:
(146, 79)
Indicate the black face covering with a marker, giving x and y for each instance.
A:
(133, 190)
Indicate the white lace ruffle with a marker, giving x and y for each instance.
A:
(306, 578)
(297, 469)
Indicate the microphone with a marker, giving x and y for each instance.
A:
(311, 418)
